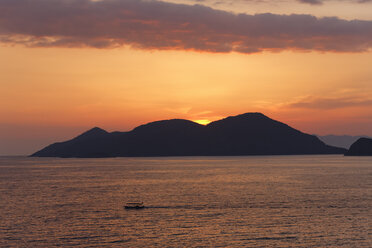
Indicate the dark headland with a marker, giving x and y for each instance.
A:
(361, 147)
(246, 134)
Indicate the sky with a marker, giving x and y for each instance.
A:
(70, 65)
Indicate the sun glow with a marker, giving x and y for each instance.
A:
(202, 122)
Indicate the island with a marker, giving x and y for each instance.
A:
(241, 135)
(361, 147)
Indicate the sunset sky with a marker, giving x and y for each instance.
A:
(69, 65)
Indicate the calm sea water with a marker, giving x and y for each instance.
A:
(278, 201)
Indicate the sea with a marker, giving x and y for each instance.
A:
(254, 201)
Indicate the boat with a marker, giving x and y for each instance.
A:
(134, 205)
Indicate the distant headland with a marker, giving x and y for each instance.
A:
(246, 134)
(362, 147)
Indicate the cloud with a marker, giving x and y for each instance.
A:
(319, 2)
(313, 2)
(163, 26)
(326, 103)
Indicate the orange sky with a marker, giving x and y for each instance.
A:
(53, 92)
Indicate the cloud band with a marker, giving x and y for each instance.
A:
(162, 26)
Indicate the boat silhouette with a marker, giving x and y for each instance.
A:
(134, 205)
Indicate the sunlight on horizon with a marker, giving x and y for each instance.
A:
(202, 122)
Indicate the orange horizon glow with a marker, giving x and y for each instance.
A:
(74, 87)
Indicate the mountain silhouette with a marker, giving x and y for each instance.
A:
(361, 147)
(246, 134)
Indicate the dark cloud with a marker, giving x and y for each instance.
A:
(319, 2)
(162, 25)
(352, 1)
(330, 103)
(311, 2)
(314, 2)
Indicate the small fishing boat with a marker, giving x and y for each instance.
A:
(134, 205)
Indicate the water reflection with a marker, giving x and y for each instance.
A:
(279, 201)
